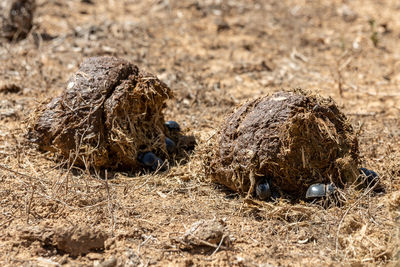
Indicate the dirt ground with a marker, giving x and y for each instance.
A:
(214, 54)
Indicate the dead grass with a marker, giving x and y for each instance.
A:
(180, 42)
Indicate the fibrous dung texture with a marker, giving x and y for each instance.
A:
(293, 139)
(109, 113)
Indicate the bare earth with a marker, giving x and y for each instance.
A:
(214, 54)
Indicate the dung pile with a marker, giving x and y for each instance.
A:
(292, 139)
(16, 18)
(109, 116)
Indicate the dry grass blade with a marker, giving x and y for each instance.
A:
(213, 55)
(357, 202)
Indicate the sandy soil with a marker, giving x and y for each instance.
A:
(214, 54)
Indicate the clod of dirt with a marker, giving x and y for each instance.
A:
(110, 113)
(79, 240)
(74, 240)
(111, 262)
(9, 109)
(36, 233)
(205, 233)
(10, 89)
(292, 139)
(16, 18)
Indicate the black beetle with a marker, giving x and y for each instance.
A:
(320, 190)
(372, 177)
(158, 164)
(148, 159)
(263, 190)
(173, 126)
(171, 146)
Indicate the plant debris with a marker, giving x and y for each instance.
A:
(74, 240)
(292, 138)
(110, 113)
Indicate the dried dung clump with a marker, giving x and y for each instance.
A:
(79, 240)
(110, 113)
(291, 138)
(74, 240)
(16, 18)
(208, 234)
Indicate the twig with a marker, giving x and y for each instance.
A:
(362, 114)
(8, 221)
(219, 245)
(110, 208)
(339, 79)
(15, 172)
(143, 243)
(383, 94)
(29, 205)
(145, 182)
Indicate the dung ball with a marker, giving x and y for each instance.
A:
(16, 18)
(109, 114)
(292, 138)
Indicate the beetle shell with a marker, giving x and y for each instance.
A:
(330, 189)
(320, 190)
(263, 190)
(371, 175)
(173, 125)
(158, 164)
(171, 146)
(148, 159)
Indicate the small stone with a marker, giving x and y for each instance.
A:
(94, 256)
(204, 233)
(10, 89)
(111, 262)
(347, 13)
(79, 240)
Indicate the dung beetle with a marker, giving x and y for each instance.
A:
(372, 177)
(158, 164)
(263, 190)
(171, 146)
(320, 190)
(173, 126)
(148, 159)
